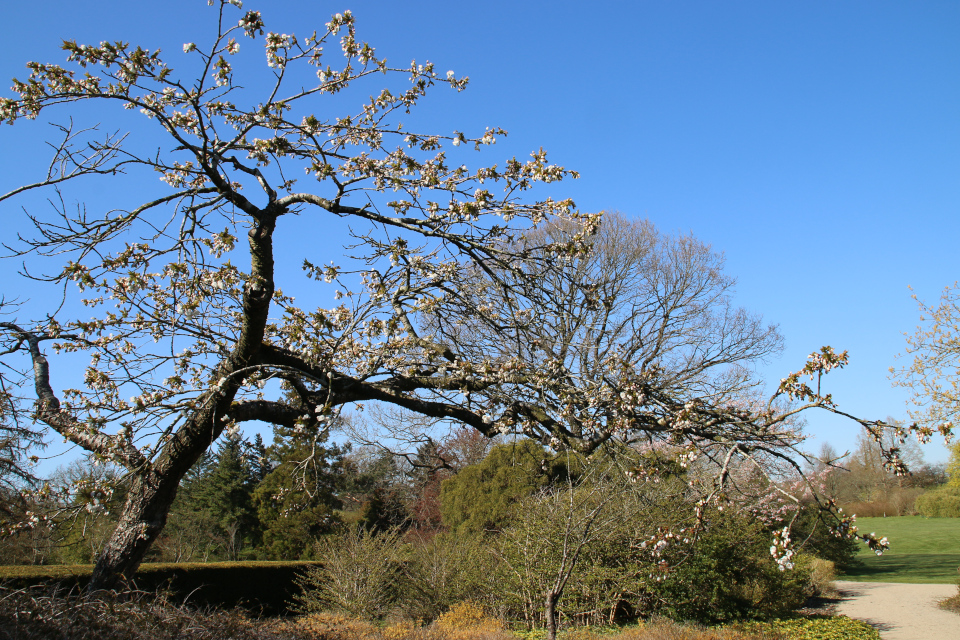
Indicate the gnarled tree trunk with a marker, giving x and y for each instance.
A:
(142, 519)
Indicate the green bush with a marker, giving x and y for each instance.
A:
(482, 496)
(822, 573)
(943, 502)
(532, 551)
(443, 571)
(723, 573)
(360, 574)
(726, 574)
(839, 628)
(816, 539)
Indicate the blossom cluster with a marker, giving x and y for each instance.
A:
(780, 549)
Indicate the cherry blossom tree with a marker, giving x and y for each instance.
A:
(17, 436)
(186, 339)
(933, 375)
(449, 304)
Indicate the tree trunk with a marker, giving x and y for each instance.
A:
(550, 611)
(142, 519)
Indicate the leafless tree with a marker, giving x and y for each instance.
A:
(619, 336)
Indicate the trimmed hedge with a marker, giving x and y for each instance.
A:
(263, 587)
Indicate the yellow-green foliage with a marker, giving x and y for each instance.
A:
(839, 628)
(822, 574)
(467, 620)
(359, 577)
(328, 626)
(464, 621)
(953, 466)
(444, 570)
(657, 630)
(943, 502)
(33, 574)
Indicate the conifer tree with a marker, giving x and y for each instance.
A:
(298, 499)
(257, 455)
(226, 498)
(481, 496)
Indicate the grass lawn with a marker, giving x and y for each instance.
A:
(921, 550)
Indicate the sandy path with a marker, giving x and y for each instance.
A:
(901, 611)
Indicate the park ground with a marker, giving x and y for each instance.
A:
(922, 551)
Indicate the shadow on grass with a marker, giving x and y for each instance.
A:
(936, 568)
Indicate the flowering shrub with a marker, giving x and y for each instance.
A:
(727, 574)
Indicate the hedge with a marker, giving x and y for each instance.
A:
(263, 587)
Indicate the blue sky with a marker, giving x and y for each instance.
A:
(816, 144)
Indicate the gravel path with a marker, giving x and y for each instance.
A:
(901, 611)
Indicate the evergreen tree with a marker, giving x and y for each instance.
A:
(257, 455)
(187, 536)
(389, 493)
(375, 490)
(481, 496)
(213, 516)
(226, 498)
(297, 501)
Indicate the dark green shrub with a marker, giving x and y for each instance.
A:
(726, 574)
(640, 557)
(481, 497)
(814, 537)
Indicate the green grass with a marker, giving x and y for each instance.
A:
(922, 550)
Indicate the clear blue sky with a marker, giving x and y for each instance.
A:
(817, 144)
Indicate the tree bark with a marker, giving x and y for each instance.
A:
(142, 519)
(550, 611)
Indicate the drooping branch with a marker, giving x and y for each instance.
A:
(118, 448)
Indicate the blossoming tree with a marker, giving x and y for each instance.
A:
(933, 377)
(439, 280)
